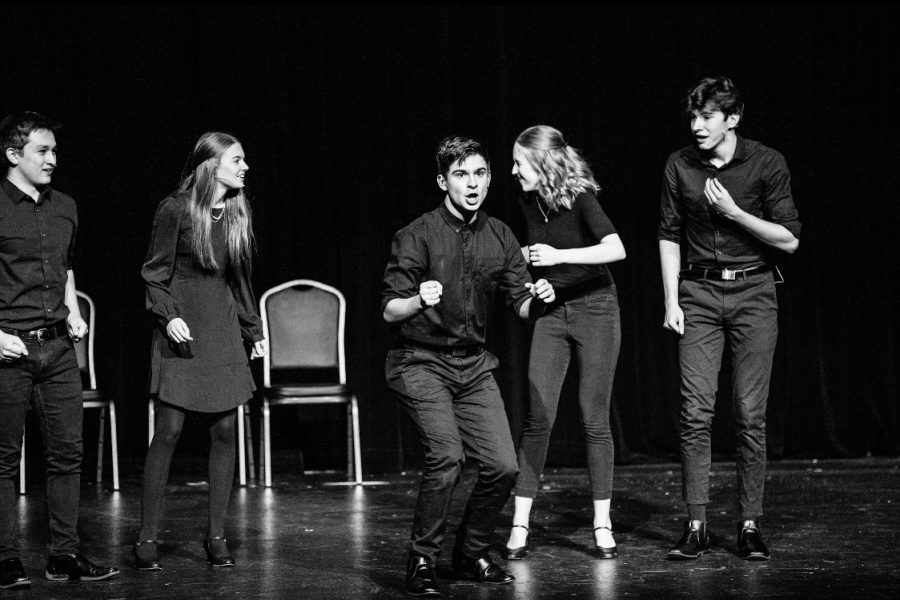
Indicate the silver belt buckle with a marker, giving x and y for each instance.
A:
(728, 274)
(39, 334)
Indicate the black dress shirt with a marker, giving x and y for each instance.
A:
(585, 224)
(759, 182)
(470, 261)
(37, 244)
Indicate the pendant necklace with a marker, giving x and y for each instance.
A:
(541, 208)
(216, 219)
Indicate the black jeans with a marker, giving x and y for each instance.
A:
(456, 407)
(48, 378)
(587, 327)
(745, 314)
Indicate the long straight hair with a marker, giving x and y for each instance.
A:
(199, 178)
(562, 172)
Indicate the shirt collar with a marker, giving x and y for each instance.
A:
(455, 222)
(740, 151)
(17, 195)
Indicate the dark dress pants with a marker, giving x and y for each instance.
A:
(49, 379)
(745, 314)
(457, 410)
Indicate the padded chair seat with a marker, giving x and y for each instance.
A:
(307, 390)
(92, 395)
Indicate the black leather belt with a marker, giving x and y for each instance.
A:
(723, 274)
(455, 351)
(42, 334)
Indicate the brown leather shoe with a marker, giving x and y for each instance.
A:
(693, 543)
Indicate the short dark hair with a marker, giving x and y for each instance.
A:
(455, 148)
(717, 93)
(15, 129)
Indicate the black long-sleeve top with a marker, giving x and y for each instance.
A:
(471, 262)
(37, 246)
(759, 182)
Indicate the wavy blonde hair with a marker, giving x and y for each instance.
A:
(199, 179)
(563, 173)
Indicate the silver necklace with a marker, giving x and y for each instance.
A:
(541, 208)
(216, 219)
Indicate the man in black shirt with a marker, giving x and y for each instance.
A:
(439, 288)
(39, 318)
(728, 201)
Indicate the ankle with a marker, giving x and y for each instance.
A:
(603, 536)
(145, 536)
(697, 512)
(517, 536)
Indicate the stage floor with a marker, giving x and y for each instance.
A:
(832, 527)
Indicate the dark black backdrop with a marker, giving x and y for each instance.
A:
(339, 110)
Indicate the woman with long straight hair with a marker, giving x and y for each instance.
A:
(570, 242)
(197, 275)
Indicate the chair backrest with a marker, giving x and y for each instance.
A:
(84, 348)
(304, 323)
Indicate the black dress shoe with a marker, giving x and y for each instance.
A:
(750, 544)
(605, 552)
(520, 552)
(75, 566)
(481, 569)
(12, 574)
(217, 554)
(420, 580)
(694, 541)
(146, 556)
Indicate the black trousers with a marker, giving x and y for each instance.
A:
(456, 407)
(48, 379)
(744, 314)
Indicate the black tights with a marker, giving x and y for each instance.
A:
(169, 422)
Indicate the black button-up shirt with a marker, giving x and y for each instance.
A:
(470, 261)
(759, 182)
(37, 243)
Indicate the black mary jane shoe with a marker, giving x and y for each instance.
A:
(146, 556)
(217, 554)
(520, 552)
(603, 551)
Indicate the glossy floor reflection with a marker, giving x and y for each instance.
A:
(832, 527)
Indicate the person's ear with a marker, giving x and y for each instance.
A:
(442, 181)
(733, 120)
(12, 155)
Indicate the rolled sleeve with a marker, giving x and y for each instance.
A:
(779, 204)
(670, 205)
(404, 270)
